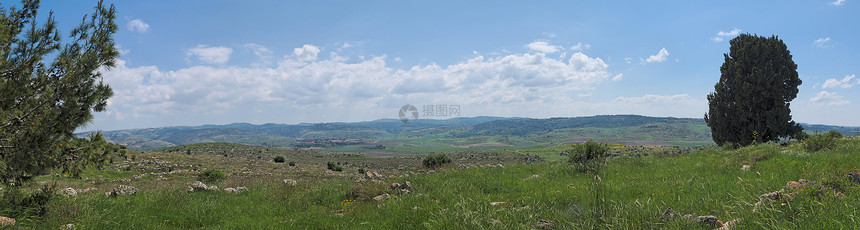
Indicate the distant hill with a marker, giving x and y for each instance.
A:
(512, 131)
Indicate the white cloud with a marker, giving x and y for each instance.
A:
(543, 47)
(822, 42)
(659, 57)
(722, 35)
(303, 82)
(138, 26)
(306, 53)
(618, 77)
(263, 53)
(211, 55)
(828, 98)
(650, 99)
(845, 83)
(628, 60)
(838, 2)
(579, 46)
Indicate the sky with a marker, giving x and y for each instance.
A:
(221, 62)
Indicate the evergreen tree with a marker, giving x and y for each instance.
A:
(750, 103)
(49, 88)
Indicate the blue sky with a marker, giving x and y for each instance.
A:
(218, 62)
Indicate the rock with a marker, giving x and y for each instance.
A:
(123, 190)
(212, 188)
(395, 185)
(431, 171)
(494, 203)
(199, 185)
(382, 197)
(745, 168)
(6, 221)
(189, 189)
(69, 192)
(535, 176)
(545, 224)
(231, 190)
(668, 214)
(406, 185)
(854, 177)
(799, 184)
(730, 224)
(290, 182)
(709, 220)
(368, 175)
(241, 189)
(69, 226)
(689, 216)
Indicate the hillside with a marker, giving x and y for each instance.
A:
(635, 191)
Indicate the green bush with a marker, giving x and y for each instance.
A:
(587, 154)
(819, 142)
(292, 163)
(835, 134)
(280, 159)
(211, 175)
(435, 161)
(361, 171)
(334, 167)
(16, 203)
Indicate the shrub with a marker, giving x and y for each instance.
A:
(434, 161)
(334, 167)
(361, 171)
(835, 134)
(819, 142)
(292, 163)
(586, 154)
(17, 204)
(211, 175)
(280, 159)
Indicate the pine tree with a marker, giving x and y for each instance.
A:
(49, 88)
(751, 101)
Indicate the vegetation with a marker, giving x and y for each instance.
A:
(750, 102)
(280, 159)
(334, 166)
(435, 161)
(211, 176)
(588, 156)
(819, 142)
(43, 101)
(292, 163)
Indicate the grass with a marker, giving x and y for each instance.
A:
(707, 182)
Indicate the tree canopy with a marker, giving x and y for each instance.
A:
(49, 88)
(750, 102)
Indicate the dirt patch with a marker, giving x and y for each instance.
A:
(632, 142)
(483, 145)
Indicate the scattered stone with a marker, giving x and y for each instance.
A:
(290, 182)
(689, 216)
(415, 208)
(377, 175)
(709, 220)
(668, 214)
(6, 221)
(241, 189)
(212, 188)
(69, 226)
(730, 224)
(395, 185)
(545, 224)
(123, 180)
(69, 192)
(535, 176)
(431, 171)
(745, 168)
(368, 175)
(799, 184)
(497, 203)
(406, 185)
(231, 190)
(199, 185)
(382, 197)
(123, 190)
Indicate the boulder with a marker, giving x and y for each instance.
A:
(69, 192)
(745, 168)
(123, 190)
(6, 221)
(668, 215)
(290, 182)
(382, 197)
(545, 224)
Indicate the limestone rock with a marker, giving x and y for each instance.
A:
(494, 203)
(69, 192)
(230, 190)
(241, 189)
(382, 197)
(395, 185)
(123, 190)
(668, 214)
(745, 168)
(69, 226)
(730, 224)
(710, 220)
(290, 182)
(6, 221)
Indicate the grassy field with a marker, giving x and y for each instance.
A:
(637, 191)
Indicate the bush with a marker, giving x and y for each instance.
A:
(211, 176)
(292, 163)
(587, 154)
(16, 204)
(434, 161)
(280, 159)
(361, 171)
(834, 134)
(819, 142)
(334, 167)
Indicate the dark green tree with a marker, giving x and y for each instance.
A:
(751, 101)
(49, 88)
